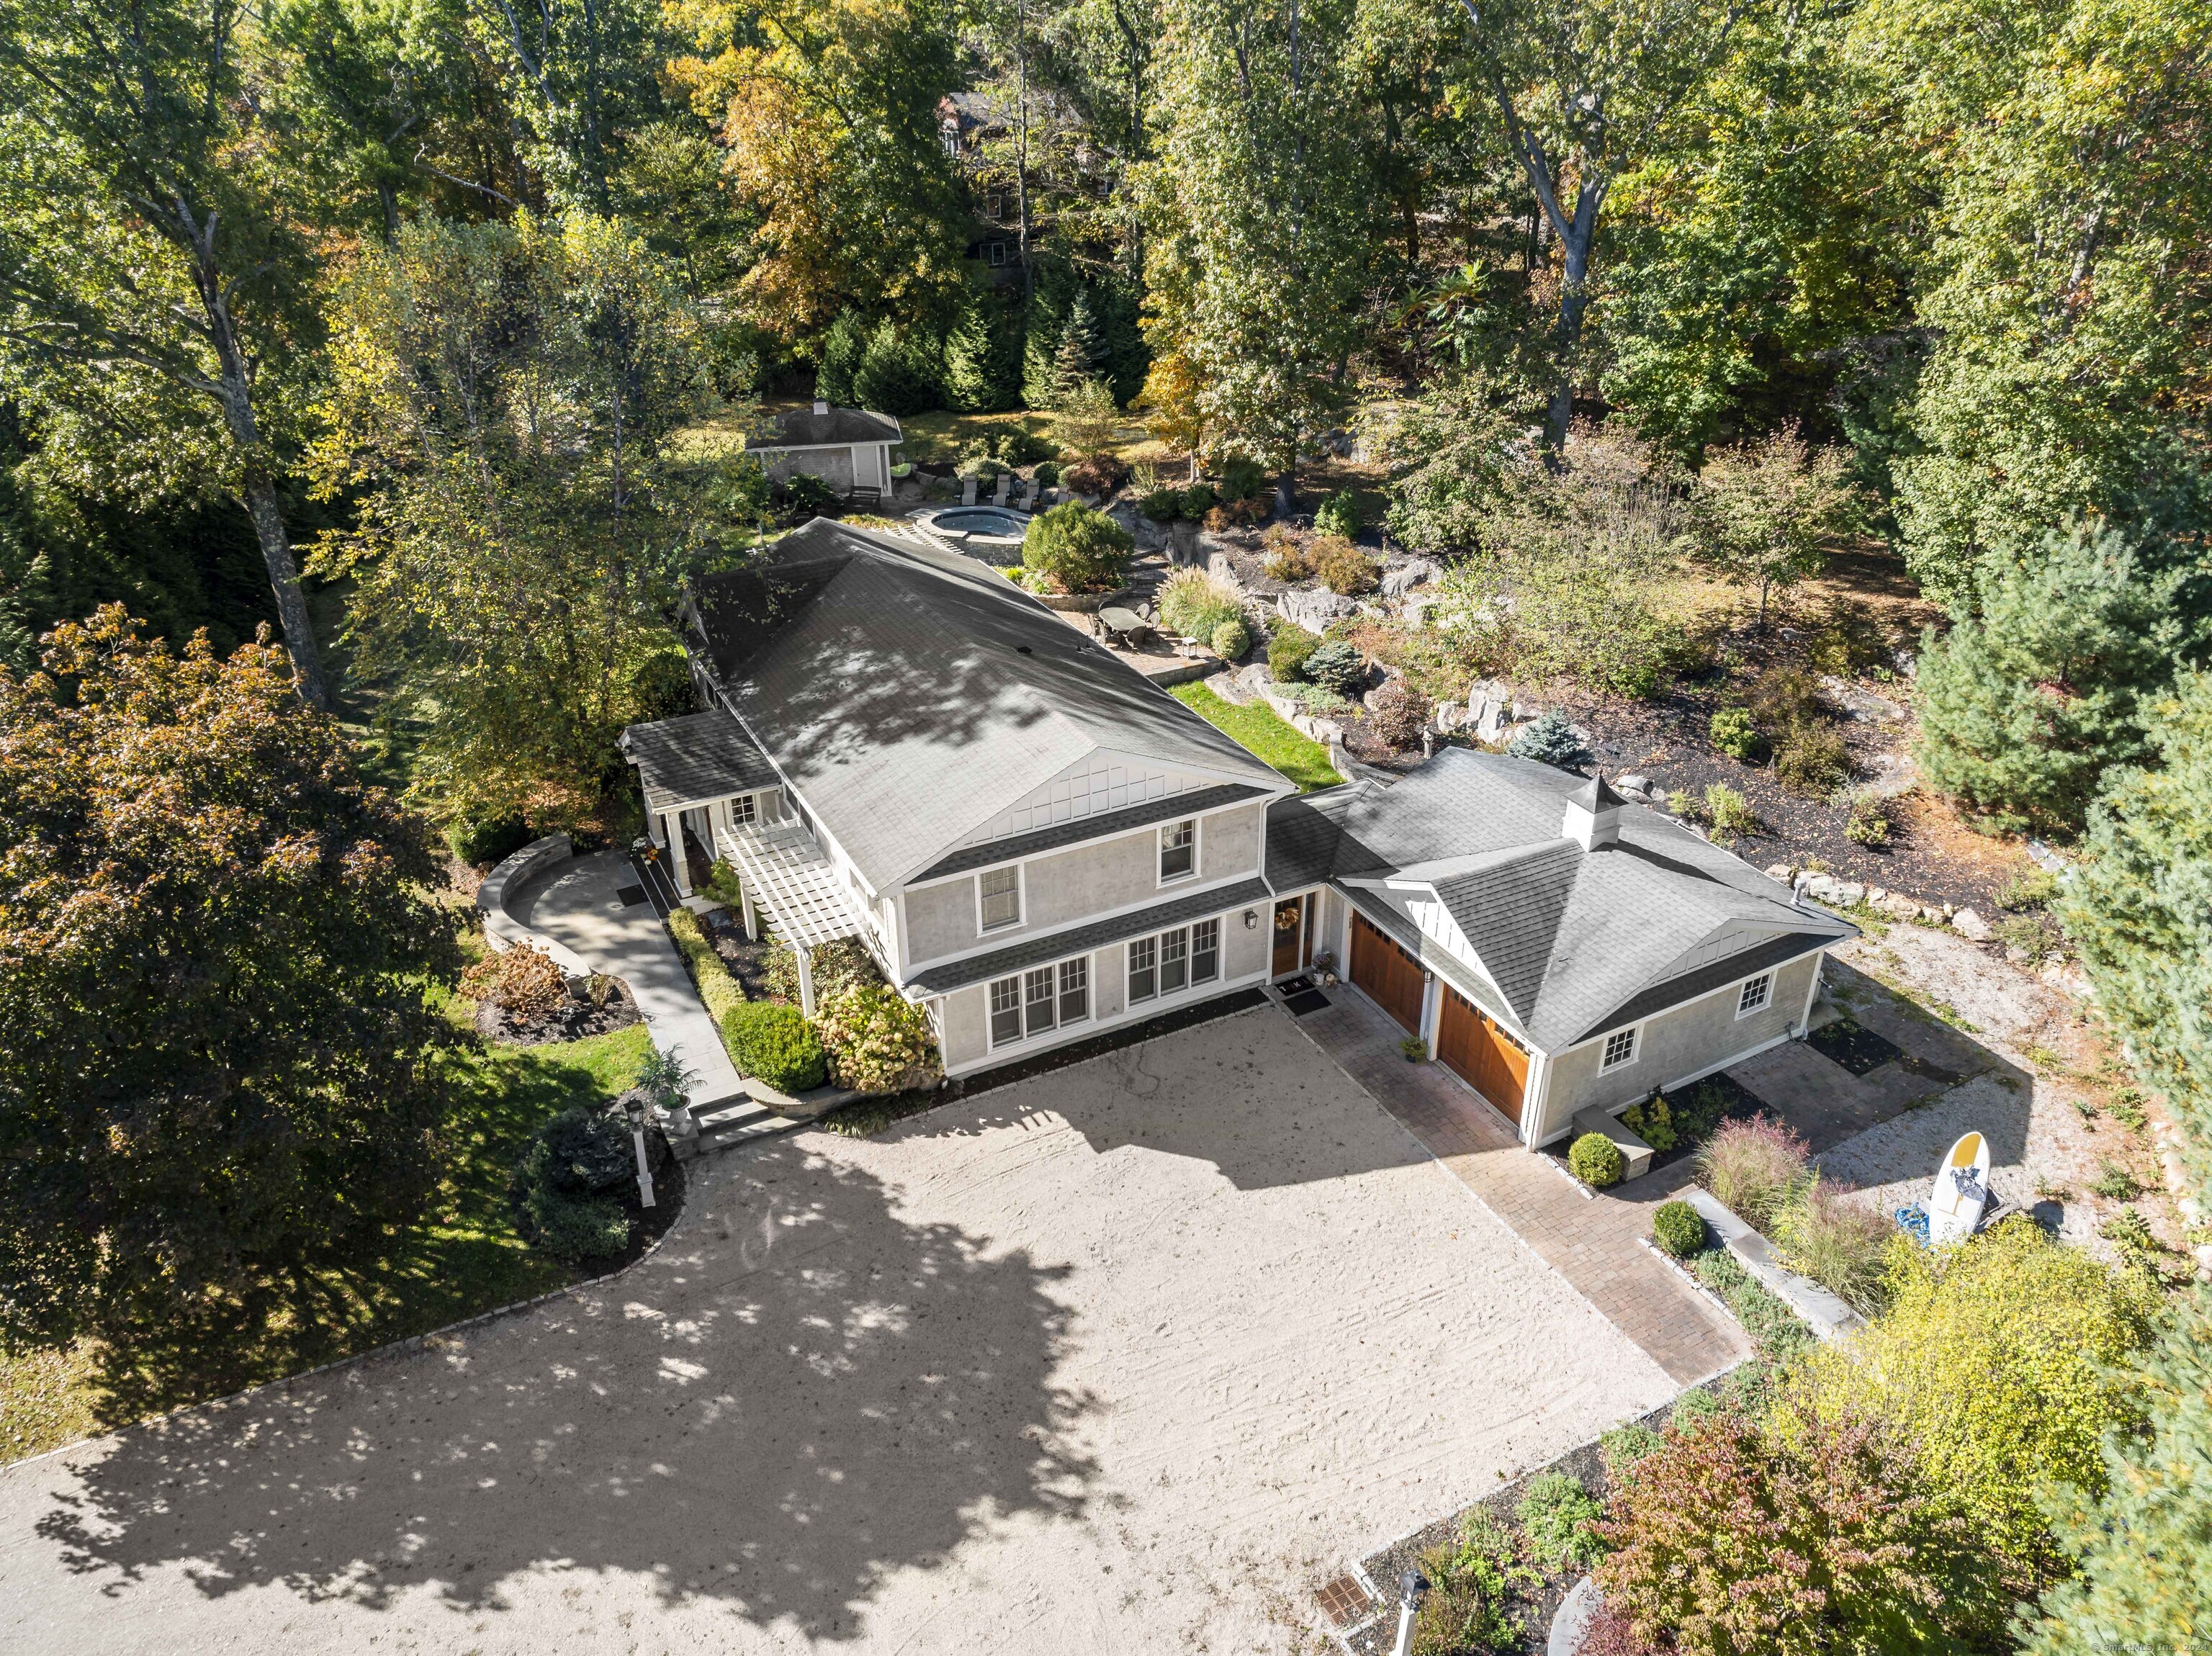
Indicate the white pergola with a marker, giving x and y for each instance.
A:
(781, 869)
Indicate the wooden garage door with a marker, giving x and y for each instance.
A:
(1387, 972)
(1480, 1053)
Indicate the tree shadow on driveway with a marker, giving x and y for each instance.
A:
(801, 1394)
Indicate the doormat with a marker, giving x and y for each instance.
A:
(1309, 1000)
(630, 896)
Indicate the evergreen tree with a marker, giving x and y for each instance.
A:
(842, 349)
(2144, 1554)
(983, 358)
(2024, 706)
(1081, 351)
(2139, 906)
(900, 372)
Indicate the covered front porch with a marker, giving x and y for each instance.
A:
(699, 774)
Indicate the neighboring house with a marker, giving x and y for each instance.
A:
(1556, 947)
(846, 448)
(1039, 845)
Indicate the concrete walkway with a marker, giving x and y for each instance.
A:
(1595, 1243)
(575, 902)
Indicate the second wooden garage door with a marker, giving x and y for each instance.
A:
(1387, 972)
(1481, 1054)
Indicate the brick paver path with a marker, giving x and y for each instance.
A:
(1594, 1243)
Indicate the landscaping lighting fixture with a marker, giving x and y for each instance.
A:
(635, 1110)
(1411, 1586)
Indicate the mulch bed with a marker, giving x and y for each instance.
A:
(1666, 740)
(573, 1020)
(1716, 1098)
(1855, 1047)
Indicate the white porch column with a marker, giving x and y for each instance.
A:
(805, 955)
(752, 914)
(677, 860)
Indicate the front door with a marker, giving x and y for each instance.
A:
(1290, 927)
(1481, 1053)
(1391, 977)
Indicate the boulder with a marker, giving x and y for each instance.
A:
(1401, 579)
(1897, 906)
(1818, 887)
(1851, 893)
(1782, 871)
(1634, 782)
(1968, 924)
(1314, 611)
(1450, 716)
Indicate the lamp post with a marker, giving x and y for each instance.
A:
(635, 1109)
(1411, 1586)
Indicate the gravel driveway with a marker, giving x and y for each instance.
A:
(1123, 1358)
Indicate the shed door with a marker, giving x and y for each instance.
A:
(1481, 1053)
(1389, 974)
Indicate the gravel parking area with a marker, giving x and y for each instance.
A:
(1124, 1358)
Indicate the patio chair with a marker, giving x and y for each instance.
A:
(864, 499)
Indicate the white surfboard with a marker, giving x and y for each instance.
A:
(1961, 1190)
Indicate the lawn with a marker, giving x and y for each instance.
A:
(1259, 730)
(464, 1258)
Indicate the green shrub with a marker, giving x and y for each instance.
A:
(1811, 758)
(1868, 823)
(1231, 639)
(1313, 698)
(723, 884)
(1679, 1228)
(1337, 667)
(1416, 1050)
(1194, 604)
(1652, 1121)
(2033, 889)
(877, 1042)
(1199, 499)
(478, 843)
(1778, 1332)
(1728, 811)
(1046, 473)
(803, 496)
(1596, 1161)
(1625, 1447)
(1685, 805)
(717, 991)
(1162, 506)
(1554, 1512)
(836, 965)
(559, 1188)
(1289, 648)
(1734, 735)
(1339, 515)
(1081, 549)
(1549, 741)
(1473, 1584)
(1343, 567)
(776, 1044)
(1243, 479)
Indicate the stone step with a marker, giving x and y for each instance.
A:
(728, 1112)
(746, 1131)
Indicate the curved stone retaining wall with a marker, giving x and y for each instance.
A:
(502, 930)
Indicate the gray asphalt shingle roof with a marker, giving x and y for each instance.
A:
(1576, 941)
(699, 756)
(804, 429)
(911, 693)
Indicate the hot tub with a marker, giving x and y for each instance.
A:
(981, 526)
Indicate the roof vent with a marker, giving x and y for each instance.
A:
(1024, 650)
(821, 407)
(1593, 815)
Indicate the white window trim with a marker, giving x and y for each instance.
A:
(1160, 851)
(1021, 900)
(1766, 999)
(1635, 1033)
(1019, 978)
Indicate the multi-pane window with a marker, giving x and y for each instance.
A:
(742, 811)
(1756, 994)
(1205, 951)
(1144, 968)
(1041, 1006)
(1619, 1049)
(1174, 960)
(1178, 850)
(1006, 1011)
(1074, 990)
(1002, 898)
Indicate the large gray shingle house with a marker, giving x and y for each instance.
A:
(1039, 845)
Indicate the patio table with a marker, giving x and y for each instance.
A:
(1121, 625)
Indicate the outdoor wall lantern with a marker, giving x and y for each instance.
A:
(1411, 1586)
(1251, 919)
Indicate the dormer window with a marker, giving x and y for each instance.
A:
(1178, 851)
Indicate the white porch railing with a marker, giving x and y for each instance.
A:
(784, 871)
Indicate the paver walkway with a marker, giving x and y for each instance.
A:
(575, 902)
(1597, 1243)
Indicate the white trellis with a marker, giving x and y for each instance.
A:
(784, 871)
